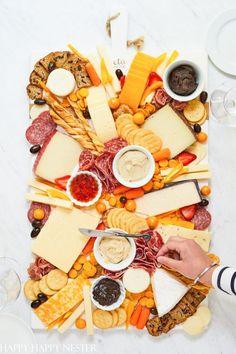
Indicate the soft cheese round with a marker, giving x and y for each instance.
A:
(61, 82)
(136, 280)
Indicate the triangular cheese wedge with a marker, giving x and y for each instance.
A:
(168, 290)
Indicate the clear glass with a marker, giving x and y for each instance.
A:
(10, 284)
(223, 105)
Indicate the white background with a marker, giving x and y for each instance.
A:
(28, 27)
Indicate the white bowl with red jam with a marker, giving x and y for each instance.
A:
(84, 188)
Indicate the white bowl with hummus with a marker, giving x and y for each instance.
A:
(133, 166)
(114, 252)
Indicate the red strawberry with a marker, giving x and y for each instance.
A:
(188, 211)
(153, 77)
(186, 158)
(101, 226)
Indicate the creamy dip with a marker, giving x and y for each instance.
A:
(114, 249)
(133, 165)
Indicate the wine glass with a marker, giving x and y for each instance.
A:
(223, 105)
(10, 284)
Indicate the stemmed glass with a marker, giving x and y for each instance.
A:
(223, 105)
(10, 284)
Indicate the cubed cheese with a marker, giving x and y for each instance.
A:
(173, 131)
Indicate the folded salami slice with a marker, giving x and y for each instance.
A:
(114, 145)
(201, 219)
(40, 129)
(45, 207)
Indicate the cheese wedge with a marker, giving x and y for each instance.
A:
(173, 131)
(60, 241)
(168, 290)
(136, 80)
(58, 157)
(202, 238)
(100, 113)
(174, 196)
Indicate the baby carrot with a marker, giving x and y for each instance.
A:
(92, 74)
(120, 190)
(134, 193)
(144, 315)
(135, 315)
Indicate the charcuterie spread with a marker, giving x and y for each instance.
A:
(123, 151)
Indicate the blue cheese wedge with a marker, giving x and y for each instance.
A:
(168, 291)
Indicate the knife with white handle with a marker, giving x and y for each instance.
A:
(102, 233)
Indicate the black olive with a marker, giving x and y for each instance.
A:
(39, 101)
(35, 232)
(203, 96)
(35, 148)
(154, 311)
(197, 128)
(86, 114)
(37, 223)
(42, 297)
(203, 203)
(35, 304)
(119, 73)
(123, 199)
(51, 66)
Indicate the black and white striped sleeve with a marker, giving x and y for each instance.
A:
(224, 278)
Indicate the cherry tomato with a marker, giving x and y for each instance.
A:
(202, 137)
(205, 190)
(39, 214)
(138, 118)
(130, 205)
(101, 207)
(152, 222)
(114, 102)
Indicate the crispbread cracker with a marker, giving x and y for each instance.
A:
(102, 319)
(56, 279)
(44, 287)
(29, 290)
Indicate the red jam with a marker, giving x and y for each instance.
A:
(84, 188)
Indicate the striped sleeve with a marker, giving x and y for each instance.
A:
(224, 278)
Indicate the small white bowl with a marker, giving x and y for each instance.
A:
(114, 266)
(77, 202)
(116, 304)
(200, 80)
(141, 182)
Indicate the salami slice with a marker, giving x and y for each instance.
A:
(114, 145)
(178, 105)
(45, 207)
(86, 160)
(40, 129)
(161, 97)
(201, 219)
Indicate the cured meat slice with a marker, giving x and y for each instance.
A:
(201, 219)
(161, 97)
(86, 160)
(45, 207)
(40, 129)
(178, 105)
(39, 268)
(114, 145)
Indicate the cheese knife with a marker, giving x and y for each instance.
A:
(102, 233)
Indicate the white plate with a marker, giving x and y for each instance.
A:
(221, 42)
(15, 331)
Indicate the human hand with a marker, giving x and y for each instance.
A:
(186, 257)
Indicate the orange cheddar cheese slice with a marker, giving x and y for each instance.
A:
(136, 80)
(62, 302)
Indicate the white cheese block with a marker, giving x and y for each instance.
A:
(175, 134)
(37, 109)
(197, 175)
(175, 196)
(100, 113)
(39, 185)
(168, 290)
(59, 157)
(88, 310)
(61, 82)
(70, 320)
(203, 238)
(33, 197)
(60, 241)
(191, 169)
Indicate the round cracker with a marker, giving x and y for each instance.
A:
(36, 288)
(44, 287)
(122, 316)
(131, 135)
(140, 134)
(102, 319)
(119, 220)
(205, 314)
(56, 279)
(194, 111)
(114, 318)
(115, 214)
(126, 130)
(121, 127)
(193, 325)
(139, 226)
(29, 290)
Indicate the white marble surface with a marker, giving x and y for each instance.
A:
(28, 26)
